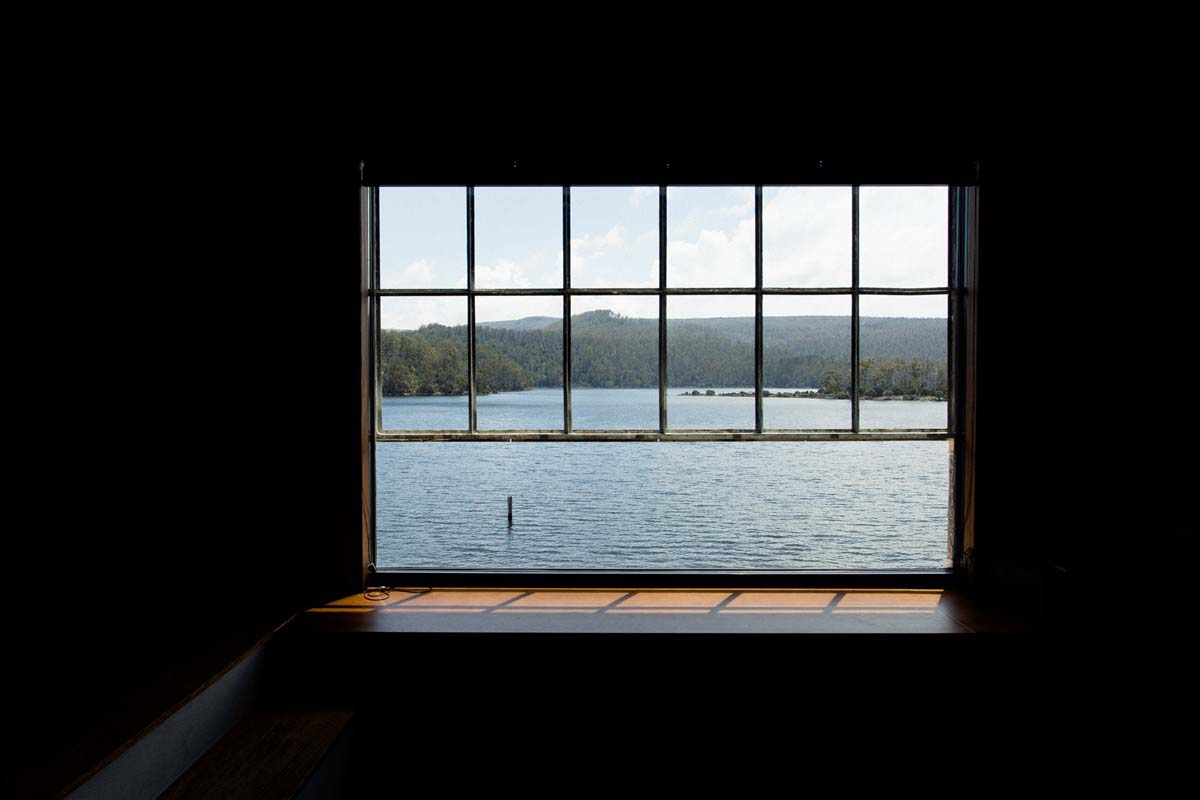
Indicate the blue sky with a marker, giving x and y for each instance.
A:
(614, 243)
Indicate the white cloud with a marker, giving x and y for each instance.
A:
(715, 258)
(503, 274)
(902, 235)
(807, 237)
(424, 273)
(591, 245)
(743, 202)
(409, 313)
(640, 194)
(416, 274)
(806, 243)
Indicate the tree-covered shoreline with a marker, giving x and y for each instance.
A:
(902, 358)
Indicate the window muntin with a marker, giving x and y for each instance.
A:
(758, 293)
(723, 207)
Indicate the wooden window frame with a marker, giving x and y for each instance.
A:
(961, 181)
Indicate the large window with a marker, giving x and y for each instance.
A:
(664, 377)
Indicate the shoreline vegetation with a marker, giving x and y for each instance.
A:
(902, 358)
(813, 394)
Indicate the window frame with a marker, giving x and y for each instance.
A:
(961, 186)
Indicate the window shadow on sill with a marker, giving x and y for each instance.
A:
(826, 611)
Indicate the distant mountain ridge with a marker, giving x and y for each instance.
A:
(523, 324)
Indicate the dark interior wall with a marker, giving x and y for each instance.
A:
(1027, 426)
(202, 441)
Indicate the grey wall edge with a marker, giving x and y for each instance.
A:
(166, 750)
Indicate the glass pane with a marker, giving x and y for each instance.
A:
(710, 237)
(806, 362)
(902, 369)
(423, 363)
(518, 344)
(902, 236)
(807, 236)
(518, 237)
(422, 238)
(710, 362)
(720, 505)
(614, 237)
(614, 363)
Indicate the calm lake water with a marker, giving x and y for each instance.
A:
(661, 505)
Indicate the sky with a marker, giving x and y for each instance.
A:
(614, 243)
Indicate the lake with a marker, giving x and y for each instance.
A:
(661, 505)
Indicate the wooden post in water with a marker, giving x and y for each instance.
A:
(510, 511)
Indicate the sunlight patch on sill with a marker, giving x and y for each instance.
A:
(658, 600)
(891, 599)
(485, 599)
(652, 601)
(781, 600)
(560, 599)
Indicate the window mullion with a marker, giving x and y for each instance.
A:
(376, 303)
(662, 309)
(375, 342)
(953, 318)
(566, 225)
(854, 426)
(758, 310)
(472, 426)
(955, 365)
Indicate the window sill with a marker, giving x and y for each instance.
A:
(670, 579)
(478, 610)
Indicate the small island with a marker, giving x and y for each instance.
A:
(815, 394)
(743, 393)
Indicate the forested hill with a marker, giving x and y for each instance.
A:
(901, 356)
(883, 337)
